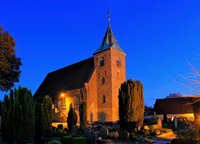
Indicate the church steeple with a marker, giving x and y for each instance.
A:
(109, 40)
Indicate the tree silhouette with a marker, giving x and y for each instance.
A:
(131, 105)
(9, 63)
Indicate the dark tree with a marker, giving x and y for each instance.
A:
(83, 115)
(131, 105)
(148, 111)
(174, 95)
(24, 118)
(9, 63)
(164, 118)
(18, 119)
(72, 118)
(6, 120)
(44, 117)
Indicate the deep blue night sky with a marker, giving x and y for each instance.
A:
(159, 37)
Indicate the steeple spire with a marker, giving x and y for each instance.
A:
(108, 14)
(109, 40)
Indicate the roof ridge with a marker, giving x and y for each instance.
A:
(71, 65)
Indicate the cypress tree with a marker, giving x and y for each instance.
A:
(83, 115)
(18, 116)
(44, 117)
(72, 118)
(131, 105)
(6, 120)
(24, 118)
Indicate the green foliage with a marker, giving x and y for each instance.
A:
(54, 142)
(24, 115)
(9, 63)
(187, 136)
(103, 132)
(67, 139)
(18, 121)
(79, 140)
(60, 126)
(7, 126)
(72, 118)
(83, 115)
(44, 117)
(131, 105)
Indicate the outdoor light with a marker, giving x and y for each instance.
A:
(62, 94)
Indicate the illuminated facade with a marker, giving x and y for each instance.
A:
(95, 80)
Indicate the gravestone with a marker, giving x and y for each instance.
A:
(103, 132)
(175, 123)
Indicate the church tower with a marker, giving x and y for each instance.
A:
(110, 64)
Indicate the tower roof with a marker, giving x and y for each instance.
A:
(109, 41)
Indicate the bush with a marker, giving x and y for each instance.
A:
(67, 140)
(124, 135)
(104, 132)
(187, 136)
(60, 126)
(79, 140)
(54, 142)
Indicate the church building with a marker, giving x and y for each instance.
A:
(95, 80)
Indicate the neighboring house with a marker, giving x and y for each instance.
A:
(176, 107)
(95, 80)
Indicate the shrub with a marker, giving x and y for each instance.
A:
(104, 132)
(79, 140)
(54, 142)
(67, 140)
(124, 135)
(60, 126)
(187, 136)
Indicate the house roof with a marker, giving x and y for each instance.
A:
(180, 105)
(67, 78)
(109, 41)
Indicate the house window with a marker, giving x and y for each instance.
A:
(118, 62)
(104, 99)
(102, 80)
(101, 61)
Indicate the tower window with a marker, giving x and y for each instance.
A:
(104, 99)
(102, 80)
(118, 62)
(101, 61)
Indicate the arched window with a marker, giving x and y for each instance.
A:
(102, 116)
(101, 61)
(102, 80)
(118, 62)
(104, 99)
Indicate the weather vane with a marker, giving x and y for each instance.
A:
(108, 16)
